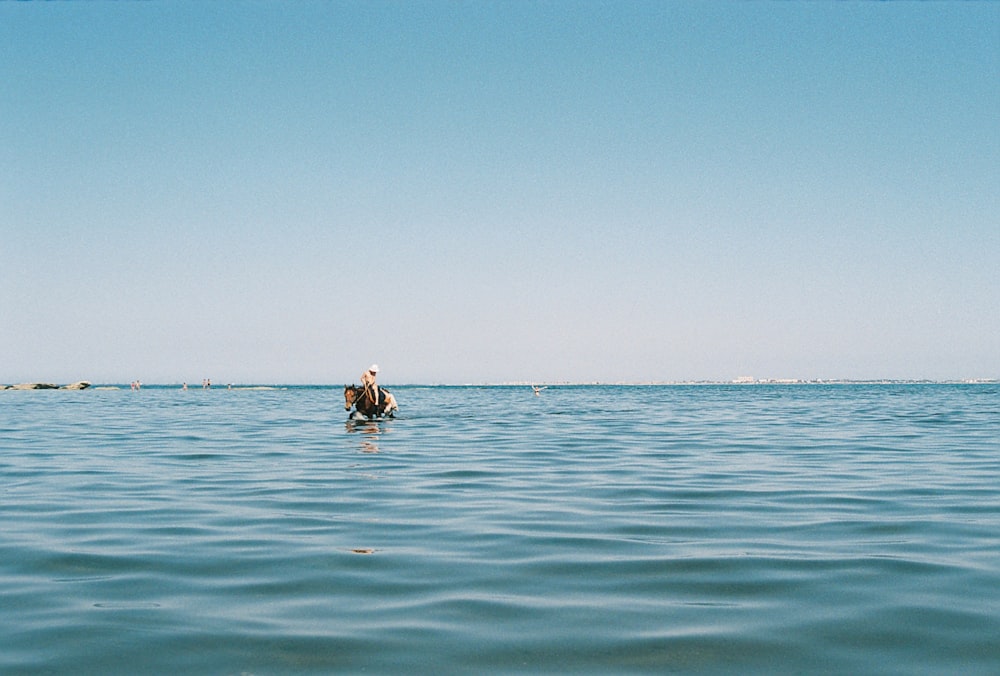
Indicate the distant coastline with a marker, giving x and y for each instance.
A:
(743, 381)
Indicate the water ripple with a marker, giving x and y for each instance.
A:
(840, 529)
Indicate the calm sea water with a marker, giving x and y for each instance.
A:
(784, 529)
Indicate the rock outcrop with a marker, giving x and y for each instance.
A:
(79, 385)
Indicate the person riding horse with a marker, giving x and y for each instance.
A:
(370, 400)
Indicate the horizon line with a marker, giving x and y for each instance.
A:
(589, 383)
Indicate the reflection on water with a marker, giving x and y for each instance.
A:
(370, 431)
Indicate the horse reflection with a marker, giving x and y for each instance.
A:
(370, 432)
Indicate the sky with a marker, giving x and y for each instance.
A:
(487, 192)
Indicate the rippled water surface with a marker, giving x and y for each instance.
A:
(788, 529)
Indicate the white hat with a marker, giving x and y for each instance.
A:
(373, 368)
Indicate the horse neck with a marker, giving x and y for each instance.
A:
(363, 399)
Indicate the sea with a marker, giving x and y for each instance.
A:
(769, 529)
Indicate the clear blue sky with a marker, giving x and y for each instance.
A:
(499, 191)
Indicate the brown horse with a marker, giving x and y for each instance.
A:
(361, 400)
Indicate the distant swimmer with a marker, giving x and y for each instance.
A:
(538, 390)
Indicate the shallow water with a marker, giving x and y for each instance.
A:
(788, 529)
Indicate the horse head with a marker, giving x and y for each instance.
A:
(349, 395)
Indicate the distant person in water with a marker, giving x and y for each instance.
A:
(371, 387)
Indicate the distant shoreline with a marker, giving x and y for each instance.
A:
(746, 382)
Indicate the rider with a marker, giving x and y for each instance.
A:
(370, 386)
(368, 382)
